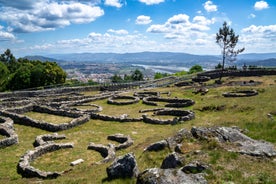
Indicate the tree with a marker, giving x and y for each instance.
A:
(159, 75)
(227, 40)
(195, 69)
(137, 75)
(4, 76)
(116, 78)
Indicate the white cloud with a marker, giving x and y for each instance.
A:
(179, 19)
(258, 38)
(180, 26)
(251, 16)
(210, 7)
(142, 19)
(115, 3)
(151, 2)
(43, 16)
(119, 32)
(5, 36)
(260, 5)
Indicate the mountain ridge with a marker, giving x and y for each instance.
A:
(160, 58)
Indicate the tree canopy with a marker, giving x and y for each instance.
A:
(227, 40)
(23, 73)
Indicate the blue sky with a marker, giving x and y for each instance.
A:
(41, 27)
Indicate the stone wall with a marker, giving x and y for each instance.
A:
(114, 118)
(24, 166)
(238, 73)
(7, 130)
(172, 102)
(16, 115)
(129, 100)
(181, 115)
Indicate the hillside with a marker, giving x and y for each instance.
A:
(252, 116)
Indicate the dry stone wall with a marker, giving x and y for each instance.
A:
(16, 115)
(7, 130)
(24, 166)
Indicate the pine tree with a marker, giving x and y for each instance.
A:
(227, 40)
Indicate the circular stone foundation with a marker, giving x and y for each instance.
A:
(126, 100)
(171, 102)
(242, 93)
(180, 116)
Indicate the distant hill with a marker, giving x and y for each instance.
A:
(266, 62)
(163, 57)
(42, 58)
(257, 56)
(158, 58)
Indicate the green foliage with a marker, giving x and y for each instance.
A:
(181, 73)
(195, 69)
(21, 78)
(23, 73)
(159, 75)
(4, 73)
(137, 75)
(116, 78)
(219, 66)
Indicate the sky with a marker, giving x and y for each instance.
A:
(43, 27)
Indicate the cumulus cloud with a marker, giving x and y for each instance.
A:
(210, 7)
(260, 5)
(151, 2)
(180, 25)
(142, 19)
(115, 3)
(5, 36)
(119, 32)
(259, 37)
(42, 16)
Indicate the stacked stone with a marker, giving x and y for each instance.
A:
(24, 166)
(7, 129)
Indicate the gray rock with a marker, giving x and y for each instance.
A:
(169, 176)
(173, 160)
(241, 143)
(157, 146)
(123, 167)
(194, 168)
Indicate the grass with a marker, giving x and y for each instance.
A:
(48, 117)
(247, 113)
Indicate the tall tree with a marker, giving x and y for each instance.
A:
(227, 40)
(137, 75)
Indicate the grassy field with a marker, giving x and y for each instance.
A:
(211, 109)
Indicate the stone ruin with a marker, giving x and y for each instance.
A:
(241, 93)
(17, 115)
(181, 115)
(47, 139)
(7, 130)
(125, 141)
(43, 144)
(128, 100)
(171, 102)
(108, 152)
(144, 94)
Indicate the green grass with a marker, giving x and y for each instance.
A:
(248, 113)
(50, 118)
